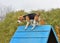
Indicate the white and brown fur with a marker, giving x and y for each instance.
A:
(33, 22)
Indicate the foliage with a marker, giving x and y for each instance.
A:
(9, 25)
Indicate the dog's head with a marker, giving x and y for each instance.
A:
(20, 19)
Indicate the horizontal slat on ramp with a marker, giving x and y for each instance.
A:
(31, 34)
(29, 40)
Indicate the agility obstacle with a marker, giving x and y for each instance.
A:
(41, 34)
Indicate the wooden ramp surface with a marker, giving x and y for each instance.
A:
(40, 34)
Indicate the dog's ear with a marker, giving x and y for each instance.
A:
(27, 18)
(20, 19)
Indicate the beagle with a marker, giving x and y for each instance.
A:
(32, 19)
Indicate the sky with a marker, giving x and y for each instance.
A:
(31, 4)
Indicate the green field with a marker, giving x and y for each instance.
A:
(9, 25)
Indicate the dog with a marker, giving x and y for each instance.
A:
(32, 18)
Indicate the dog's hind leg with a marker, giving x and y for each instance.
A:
(34, 24)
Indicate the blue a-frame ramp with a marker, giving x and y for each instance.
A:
(41, 34)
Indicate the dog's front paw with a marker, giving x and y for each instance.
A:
(25, 28)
